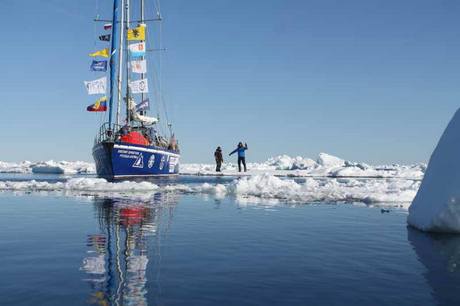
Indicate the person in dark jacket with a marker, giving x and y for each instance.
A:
(219, 158)
(241, 155)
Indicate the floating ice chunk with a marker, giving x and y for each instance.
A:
(265, 186)
(436, 207)
(99, 184)
(79, 184)
(52, 167)
(395, 192)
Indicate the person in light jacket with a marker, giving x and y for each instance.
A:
(241, 155)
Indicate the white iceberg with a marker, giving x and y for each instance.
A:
(436, 207)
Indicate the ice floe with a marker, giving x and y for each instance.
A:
(266, 187)
(94, 185)
(400, 192)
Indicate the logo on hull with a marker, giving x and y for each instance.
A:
(139, 163)
(151, 161)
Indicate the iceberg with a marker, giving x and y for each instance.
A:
(436, 206)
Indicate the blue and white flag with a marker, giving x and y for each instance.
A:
(137, 49)
(99, 66)
(144, 105)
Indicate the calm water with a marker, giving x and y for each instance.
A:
(195, 250)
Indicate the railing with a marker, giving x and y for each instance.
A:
(112, 133)
(107, 132)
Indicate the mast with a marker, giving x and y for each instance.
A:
(142, 75)
(128, 76)
(120, 62)
(113, 50)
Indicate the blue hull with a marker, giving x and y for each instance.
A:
(123, 160)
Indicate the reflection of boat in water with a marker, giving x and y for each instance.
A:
(118, 255)
(440, 254)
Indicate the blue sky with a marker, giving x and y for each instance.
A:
(366, 80)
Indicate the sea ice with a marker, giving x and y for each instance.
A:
(266, 187)
(397, 192)
(92, 185)
(436, 207)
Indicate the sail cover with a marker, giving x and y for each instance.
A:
(140, 118)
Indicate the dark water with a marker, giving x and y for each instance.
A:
(190, 250)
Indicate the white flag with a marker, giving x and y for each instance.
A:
(97, 86)
(139, 66)
(139, 86)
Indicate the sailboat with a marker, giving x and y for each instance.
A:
(134, 147)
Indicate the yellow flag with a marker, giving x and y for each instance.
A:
(103, 53)
(137, 33)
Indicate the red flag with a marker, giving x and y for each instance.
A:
(107, 26)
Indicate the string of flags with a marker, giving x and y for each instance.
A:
(137, 65)
(99, 86)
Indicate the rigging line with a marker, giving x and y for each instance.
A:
(160, 59)
(154, 81)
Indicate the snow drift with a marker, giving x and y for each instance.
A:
(436, 207)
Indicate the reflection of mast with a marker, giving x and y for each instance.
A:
(116, 264)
